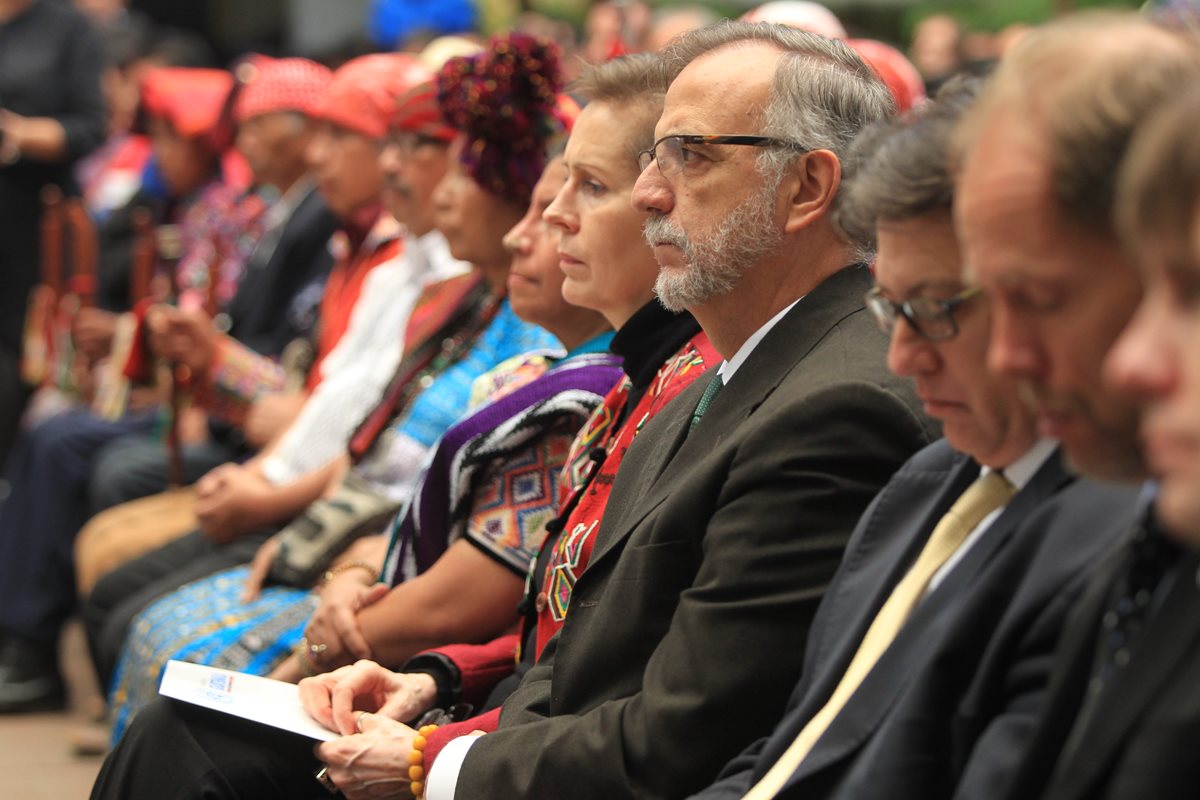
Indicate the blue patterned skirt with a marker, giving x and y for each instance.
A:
(207, 623)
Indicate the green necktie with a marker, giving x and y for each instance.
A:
(710, 393)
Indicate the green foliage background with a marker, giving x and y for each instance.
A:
(890, 20)
(992, 15)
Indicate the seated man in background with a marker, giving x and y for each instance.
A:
(55, 456)
(274, 297)
(274, 305)
(373, 288)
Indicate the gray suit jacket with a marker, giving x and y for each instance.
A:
(686, 631)
(949, 707)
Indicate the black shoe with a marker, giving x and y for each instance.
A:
(29, 678)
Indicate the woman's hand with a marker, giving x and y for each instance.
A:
(336, 698)
(335, 622)
(373, 764)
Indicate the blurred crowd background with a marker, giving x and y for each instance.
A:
(940, 35)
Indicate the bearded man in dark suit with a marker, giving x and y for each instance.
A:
(928, 659)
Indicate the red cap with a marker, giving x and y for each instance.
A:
(363, 94)
(191, 100)
(279, 84)
(417, 111)
(896, 71)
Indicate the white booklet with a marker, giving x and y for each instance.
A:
(270, 702)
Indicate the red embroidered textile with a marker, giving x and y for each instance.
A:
(481, 666)
(344, 285)
(574, 545)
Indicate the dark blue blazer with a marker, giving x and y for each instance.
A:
(1139, 741)
(948, 708)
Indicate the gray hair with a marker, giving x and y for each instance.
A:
(903, 171)
(822, 93)
(632, 82)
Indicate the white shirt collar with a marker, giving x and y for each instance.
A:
(1021, 471)
(728, 368)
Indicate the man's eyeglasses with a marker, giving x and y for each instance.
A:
(930, 317)
(672, 156)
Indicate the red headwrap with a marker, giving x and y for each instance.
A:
(279, 84)
(191, 100)
(897, 72)
(417, 111)
(362, 95)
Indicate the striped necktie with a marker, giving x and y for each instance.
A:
(710, 393)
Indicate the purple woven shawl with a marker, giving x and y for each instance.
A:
(429, 523)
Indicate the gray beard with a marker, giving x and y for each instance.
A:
(713, 265)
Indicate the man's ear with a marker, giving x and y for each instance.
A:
(812, 183)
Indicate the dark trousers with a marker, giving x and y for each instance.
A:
(13, 396)
(49, 473)
(177, 750)
(121, 595)
(137, 466)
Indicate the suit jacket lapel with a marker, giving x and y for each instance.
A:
(868, 706)
(650, 463)
(857, 594)
(1049, 478)
(665, 452)
(1170, 636)
(892, 537)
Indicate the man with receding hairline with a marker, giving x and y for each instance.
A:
(928, 657)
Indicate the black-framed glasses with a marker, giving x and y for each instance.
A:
(672, 157)
(930, 317)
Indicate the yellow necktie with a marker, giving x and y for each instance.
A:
(981, 498)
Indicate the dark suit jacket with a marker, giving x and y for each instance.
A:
(263, 311)
(1141, 738)
(949, 705)
(686, 631)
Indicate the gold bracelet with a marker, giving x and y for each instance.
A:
(416, 761)
(338, 569)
